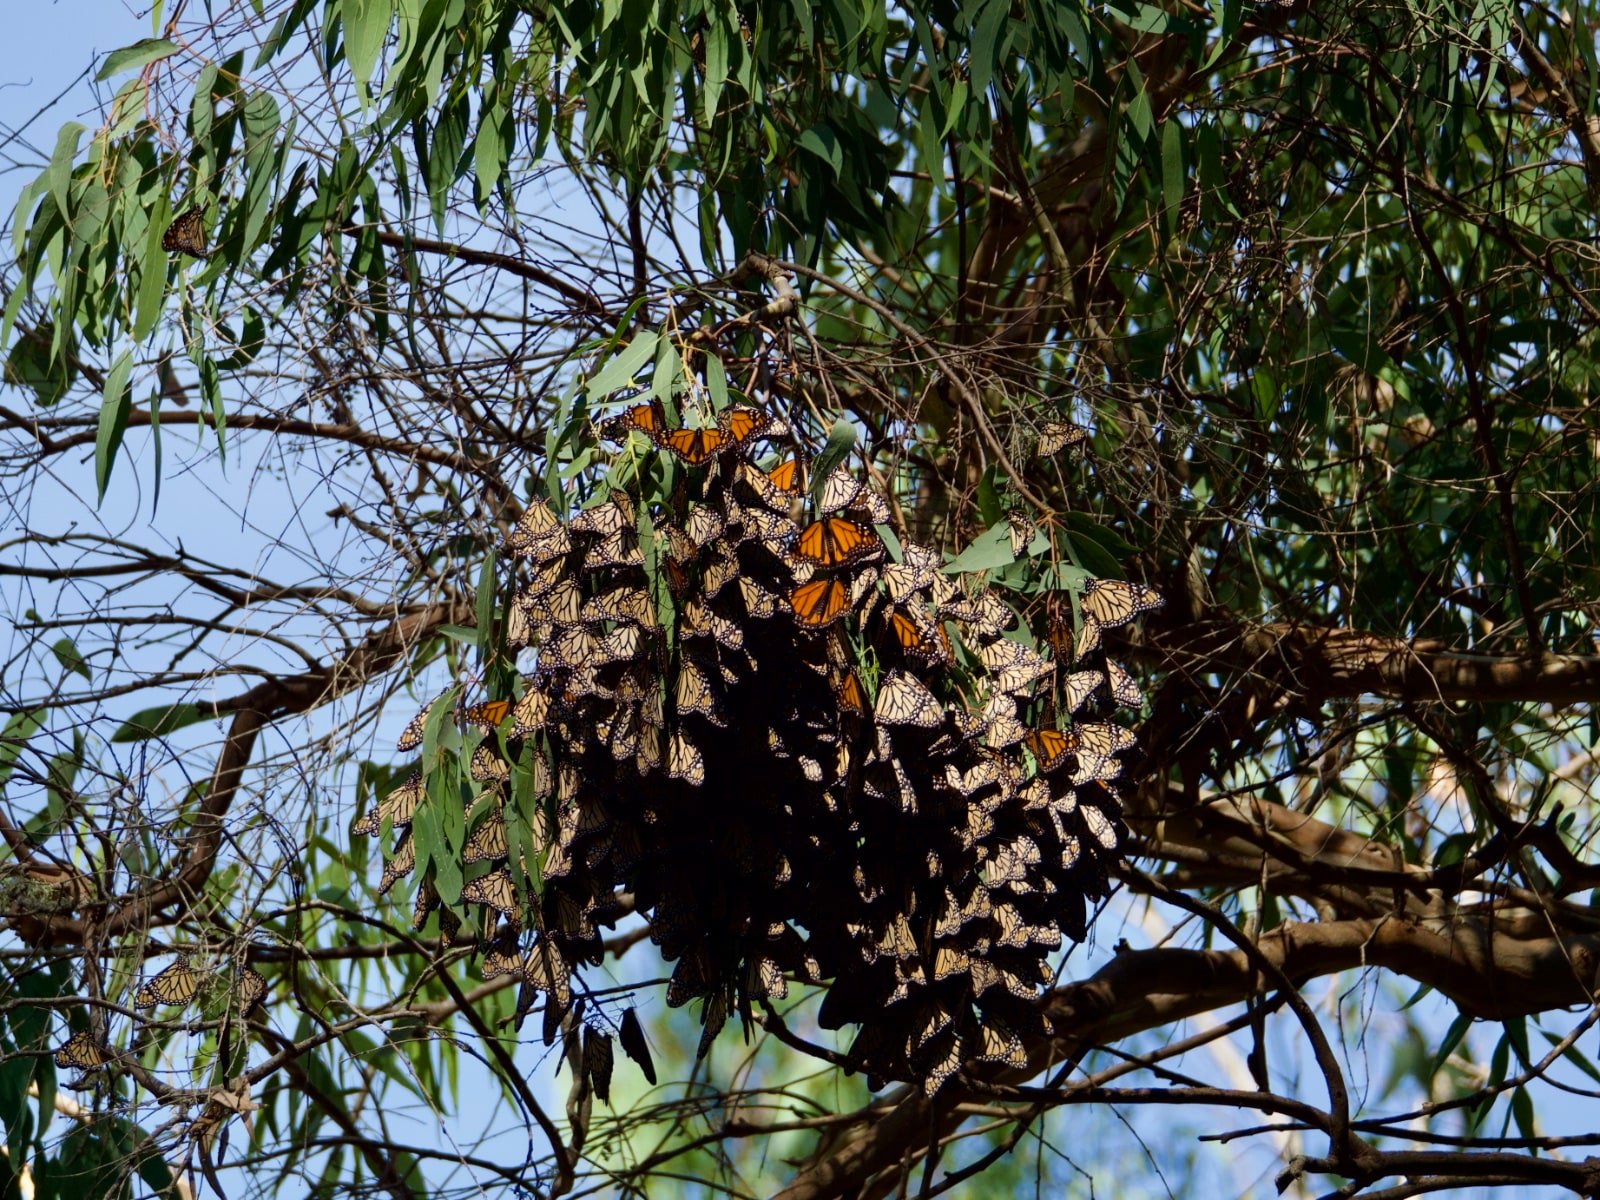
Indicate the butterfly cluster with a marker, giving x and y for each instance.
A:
(801, 747)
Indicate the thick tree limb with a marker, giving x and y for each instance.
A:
(1323, 663)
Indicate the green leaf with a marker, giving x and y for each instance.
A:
(142, 52)
(485, 603)
(1452, 1039)
(988, 550)
(162, 720)
(824, 143)
(14, 737)
(1172, 165)
(619, 372)
(66, 652)
(717, 382)
(716, 37)
(841, 440)
(152, 271)
(366, 27)
(113, 421)
(155, 442)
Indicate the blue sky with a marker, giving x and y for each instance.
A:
(47, 50)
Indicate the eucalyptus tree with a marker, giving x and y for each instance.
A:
(1284, 313)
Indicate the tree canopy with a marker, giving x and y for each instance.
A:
(338, 322)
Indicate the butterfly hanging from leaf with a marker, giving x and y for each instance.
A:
(187, 234)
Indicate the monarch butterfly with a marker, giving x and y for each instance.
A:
(1108, 603)
(411, 736)
(83, 1053)
(986, 773)
(538, 534)
(401, 863)
(995, 1043)
(519, 626)
(719, 573)
(851, 698)
(561, 605)
(690, 978)
(397, 807)
(176, 984)
(605, 520)
(598, 1062)
(1010, 861)
(1022, 530)
(187, 234)
(951, 918)
(620, 549)
(983, 616)
(622, 643)
(621, 604)
(700, 622)
(760, 484)
(934, 1019)
(837, 542)
(948, 961)
(494, 890)
(251, 989)
(487, 715)
(531, 712)
(1100, 825)
(922, 640)
(703, 524)
(741, 423)
(1078, 687)
(1102, 739)
(1056, 436)
(820, 602)
(1004, 730)
(487, 766)
(1124, 688)
(696, 447)
(649, 419)
(767, 980)
(770, 529)
(943, 1070)
(685, 762)
(788, 477)
(570, 649)
(631, 1038)
(841, 490)
(903, 700)
(502, 958)
(1051, 747)
(695, 693)
(909, 576)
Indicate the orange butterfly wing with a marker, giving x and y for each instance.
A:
(836, 541)
(786, 476)
(741, 423)
(694, 446)
(487, 715)
(820, 602)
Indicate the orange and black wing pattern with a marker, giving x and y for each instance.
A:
(820, 602)
(696, 447)
(837, 542)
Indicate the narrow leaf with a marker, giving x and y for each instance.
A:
(113, 421)
(146, 50)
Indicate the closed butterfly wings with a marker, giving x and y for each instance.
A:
(187, 234)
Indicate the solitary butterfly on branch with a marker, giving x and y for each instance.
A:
(837, 542)
(1058, 435)
(187, 234)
